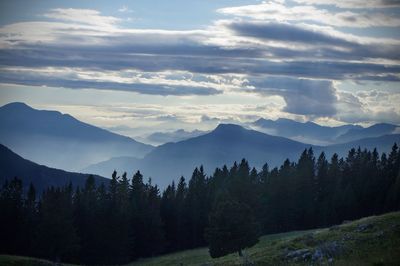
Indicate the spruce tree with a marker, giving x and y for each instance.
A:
(232, 228)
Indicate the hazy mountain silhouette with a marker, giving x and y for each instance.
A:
(372, 131)
(307, 132)
(158, 138)
(59, 140)
(381, 143)
(12, 165)
(224, 145)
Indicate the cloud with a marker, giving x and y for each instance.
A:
(125, 9)
(366, 107)
(82, 16)
(279, 12)
(273, 49)
(302, 96)
(71, 80)
(353, 3)
(286, 33)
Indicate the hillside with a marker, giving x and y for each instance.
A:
(59, 140)
(13, 165)
(373, 240)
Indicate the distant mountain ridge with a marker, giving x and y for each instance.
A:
(175, 136)
(224, 145)
(313, 133)
(59, 140)
(372, 131)
(12, 165)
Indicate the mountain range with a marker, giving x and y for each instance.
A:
(158, 138)
(224, 145)
(13, 165)
(313, 133)
(61, 141)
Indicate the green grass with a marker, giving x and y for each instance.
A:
(377, 244)
(8, 260)
(373, 241)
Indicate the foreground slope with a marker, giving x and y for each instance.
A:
(373, 240)
(59, 140)
(13, 165)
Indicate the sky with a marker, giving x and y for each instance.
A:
(137, 67)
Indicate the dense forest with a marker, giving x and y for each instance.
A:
(131, 218)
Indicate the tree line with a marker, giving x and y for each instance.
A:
(129, 218)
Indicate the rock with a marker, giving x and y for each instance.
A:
(317, 255)
(330, 260)
(308, 240)
(347, 237)
(331, 249)
(298, 255)
(364, 227)
(334, 228)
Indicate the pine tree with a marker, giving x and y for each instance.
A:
(232, 228)
(11, 206)
(197, 207)
(57, 239)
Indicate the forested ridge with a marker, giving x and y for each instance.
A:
(131, 218)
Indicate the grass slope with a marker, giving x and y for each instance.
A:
(373, 240)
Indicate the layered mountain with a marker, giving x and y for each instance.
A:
(12, 165)
(313, 133)
(224, 145)
(369, 132)
(381, 143)
(158, 138)
(61, 141)
(307, 132)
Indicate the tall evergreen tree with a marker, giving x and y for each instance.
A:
(232, 228)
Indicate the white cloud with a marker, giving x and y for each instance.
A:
(273, 11)
(356, 4)
(84, 16)
(81, 49)
(125, 9)
(368, 107)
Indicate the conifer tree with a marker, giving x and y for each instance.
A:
(232, 228)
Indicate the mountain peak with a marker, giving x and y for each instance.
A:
(16, 106)
(228, 127)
